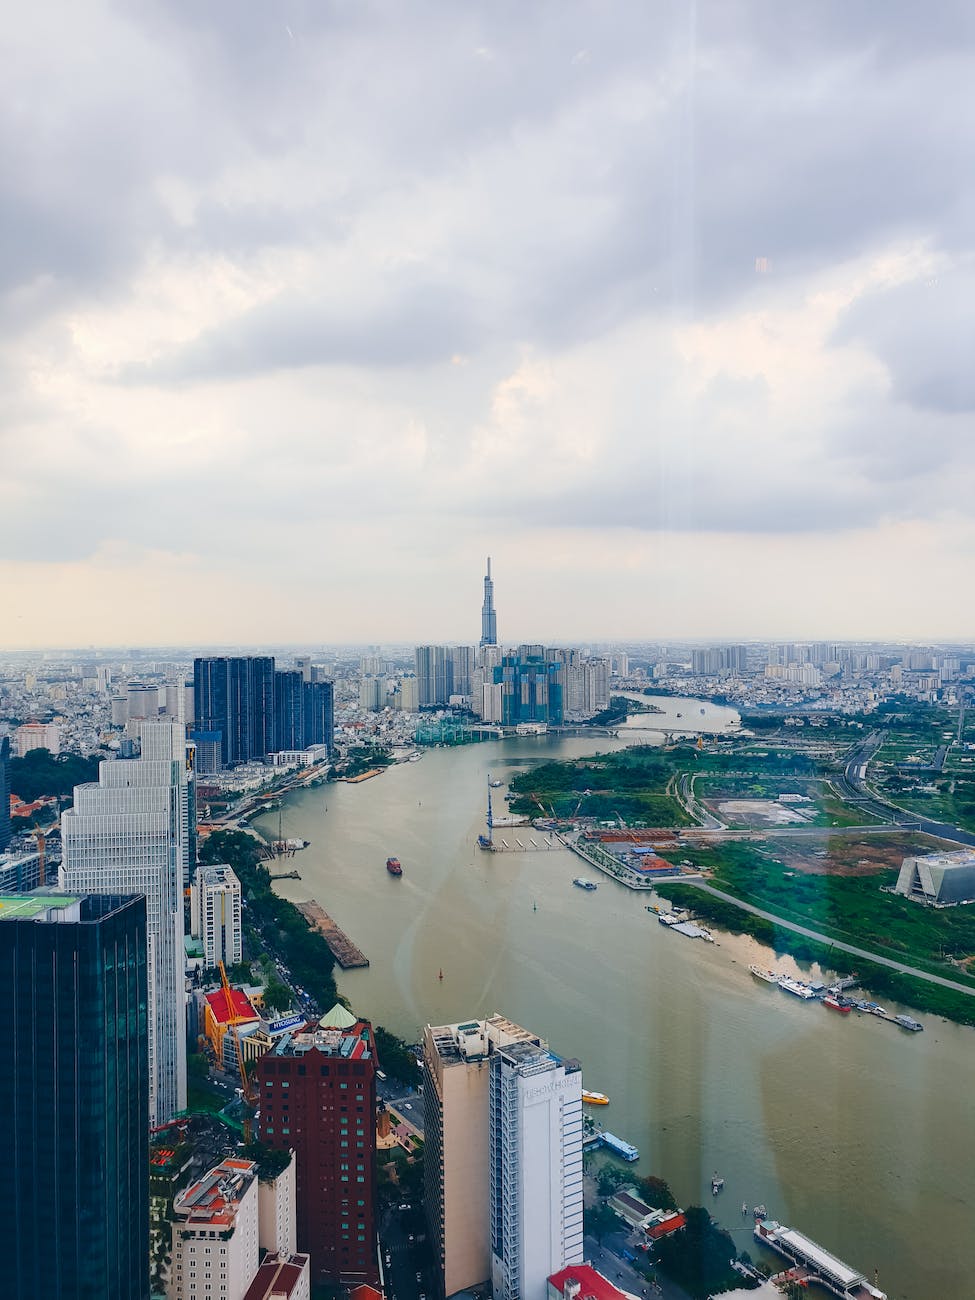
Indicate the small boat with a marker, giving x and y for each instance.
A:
(485, 842)
(716, 1185)
(440, 976)
(760, 1212)
(762, 973)
(495, 785)
(908, 1022)
(595, 1098)
(589, 885)
(744, 1208)
(393, 867)
(872, 1009)
(836, 1003)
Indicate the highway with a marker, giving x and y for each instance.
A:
(852, 785)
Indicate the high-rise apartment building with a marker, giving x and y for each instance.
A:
(235, 696)
(74, 1094)
(134, 833)
(318, 1098)
(489, 619)
(536, 1169)
(434, 675)
(318, 714)
(288, 731)
(5, 828)
(215, 914)
(456, 1104)
(215, 1235)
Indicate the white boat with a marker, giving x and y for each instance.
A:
(796, 988)
(590, 885)
(762, 973)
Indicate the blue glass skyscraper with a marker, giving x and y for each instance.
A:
(74, 1095)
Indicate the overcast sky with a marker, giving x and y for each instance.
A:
(307, 307)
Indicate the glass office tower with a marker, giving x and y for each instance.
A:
(74, 1095)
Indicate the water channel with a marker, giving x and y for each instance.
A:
(847, 1128)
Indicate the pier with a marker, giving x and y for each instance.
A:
(343, 949)
(817, 1264)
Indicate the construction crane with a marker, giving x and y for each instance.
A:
(233, 1020)
(41, 842)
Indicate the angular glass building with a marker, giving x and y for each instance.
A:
(74, 1095)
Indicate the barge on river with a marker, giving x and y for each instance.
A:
(819, 1265)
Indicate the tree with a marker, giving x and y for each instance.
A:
(657, 1193)
(600, 1221)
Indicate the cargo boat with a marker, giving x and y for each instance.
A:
(837, 1004)
(761, 973)
(595, 1098)
(585, 884)
(393, 867)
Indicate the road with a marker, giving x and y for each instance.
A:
(836, 943)
(853, 788)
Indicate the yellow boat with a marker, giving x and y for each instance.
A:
(595, 1098)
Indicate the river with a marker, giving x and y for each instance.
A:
(850, 1130)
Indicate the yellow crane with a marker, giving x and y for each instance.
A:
(233, 1020)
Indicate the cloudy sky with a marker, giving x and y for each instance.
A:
(306, 306)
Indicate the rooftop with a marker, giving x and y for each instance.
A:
(28, 907)
(239, 1008)
(277, 1277)
(352, 1044)
(213, 1201)
(590, 1283)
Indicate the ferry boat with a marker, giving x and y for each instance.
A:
(590, 885)
(393, 867)
(796, 988)
(908, 1022)
(836, 1003)
(595, 1098)
(761, 973)
(872, 1009)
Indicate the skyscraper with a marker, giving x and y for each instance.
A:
(434, 674)
(133, 833)
(536, 1169)
(235, 696)
(318, 714)
(489, 619)
(215, 914)
(288, 732)
(457, 1170)
(5, 831)
(74, 1094)
(318, 1098)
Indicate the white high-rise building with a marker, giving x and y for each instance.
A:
(215, 914)
(215, 1235)
(503, 1131)
(536, 1169)
(133, 833)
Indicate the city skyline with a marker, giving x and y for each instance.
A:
(667, 314)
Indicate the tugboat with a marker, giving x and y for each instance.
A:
(836, 1002)
(393, 867)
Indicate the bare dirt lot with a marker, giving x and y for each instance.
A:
(847, 855)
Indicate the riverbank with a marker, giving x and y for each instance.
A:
(874, 978)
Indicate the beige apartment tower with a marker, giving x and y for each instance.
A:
(456, 1093)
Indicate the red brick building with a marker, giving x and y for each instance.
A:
(318, 1098)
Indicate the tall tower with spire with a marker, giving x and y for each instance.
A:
(489, 619)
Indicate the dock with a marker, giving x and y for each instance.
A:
(600, 1138)
(817, 1264)
(343, 949)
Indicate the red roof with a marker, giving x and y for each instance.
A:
(364, 1292)
(590, 1282)
(668, 1226)
(241, 1008)
(277, 1278)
